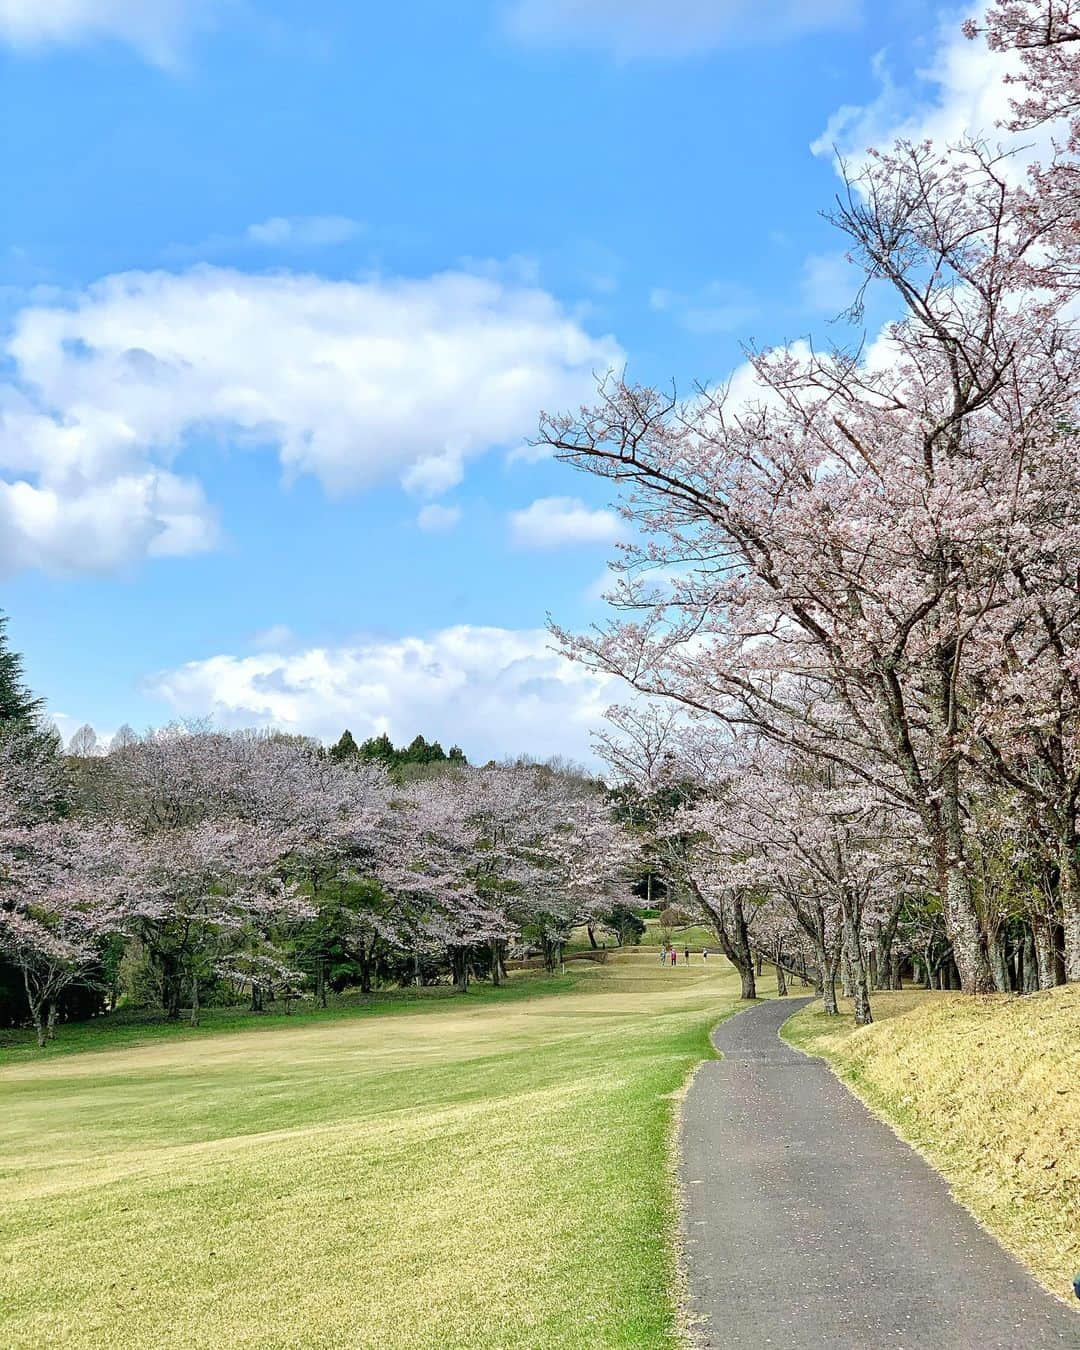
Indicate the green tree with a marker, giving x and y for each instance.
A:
(17, 704)
(380, 748)
(346, 747)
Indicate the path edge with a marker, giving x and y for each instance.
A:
(890, 1124)
(686, 1324)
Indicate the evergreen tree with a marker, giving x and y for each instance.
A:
(17, 704)
(418, 751)
(457, 755)
(346, 747)
(380, 748)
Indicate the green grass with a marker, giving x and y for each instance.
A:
(694, 935)
(487, 1171)
(131, 1027)
(988, 1089)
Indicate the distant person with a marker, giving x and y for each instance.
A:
(686, 955)
(674, 957)
(663, 956)
(704, 954)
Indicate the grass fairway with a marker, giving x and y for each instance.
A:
(989, 1090)
(488, 1173)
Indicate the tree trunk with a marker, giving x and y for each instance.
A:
(194, 1000)
(962, 921)
(496, 963)
(998, 964)
(896, 976)
(732, 935)
(460, 965)
(860, 982)
(847, 983)
(1043, 937)
(781, 978)
(592, 936)
(171, 988)
(1031, 965)
(1069, 887)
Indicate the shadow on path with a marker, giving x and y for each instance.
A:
(807, 1222)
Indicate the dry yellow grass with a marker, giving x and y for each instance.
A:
(989, 1090)
(488, 1174)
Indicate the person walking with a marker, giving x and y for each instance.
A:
(674, 957)
(705, 955)
(663, 956)
(686, 955)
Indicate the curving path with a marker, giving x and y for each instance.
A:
(808, 1222)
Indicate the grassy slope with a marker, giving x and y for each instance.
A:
(989, 1090)
(480, 1173)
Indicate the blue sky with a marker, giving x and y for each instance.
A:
(283, 289)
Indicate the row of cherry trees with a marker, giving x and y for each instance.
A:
(859, 588)
(259, 861)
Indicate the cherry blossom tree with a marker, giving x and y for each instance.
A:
(830, 565)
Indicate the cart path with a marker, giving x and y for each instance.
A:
(808, 1222)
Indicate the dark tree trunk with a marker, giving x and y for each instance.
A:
(497, 970)
(592, 936)
(733, 936)
(859, 978)
(171, 987)
(194, 1000)
(847, 980)
(998, 962)
(459, 963)
(1031, 966)
(781, 979)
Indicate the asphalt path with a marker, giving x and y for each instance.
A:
(807, 1222)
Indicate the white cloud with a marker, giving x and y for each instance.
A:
(829, 283)
(552, 522)
(671, 28)
(282, 234)
(719, 307)
(495, 691)
(98, 527)
(355, 382)
(435, 474)
(960, 92)
(302, 231)
(272, 639)
(434, 518)
(156, 29)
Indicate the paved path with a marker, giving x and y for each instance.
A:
(808, 1223)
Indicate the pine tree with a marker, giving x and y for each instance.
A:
(418, 751)
(346, 747)
(380, 748)
(17, 704)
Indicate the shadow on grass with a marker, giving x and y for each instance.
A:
(131, 1027)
